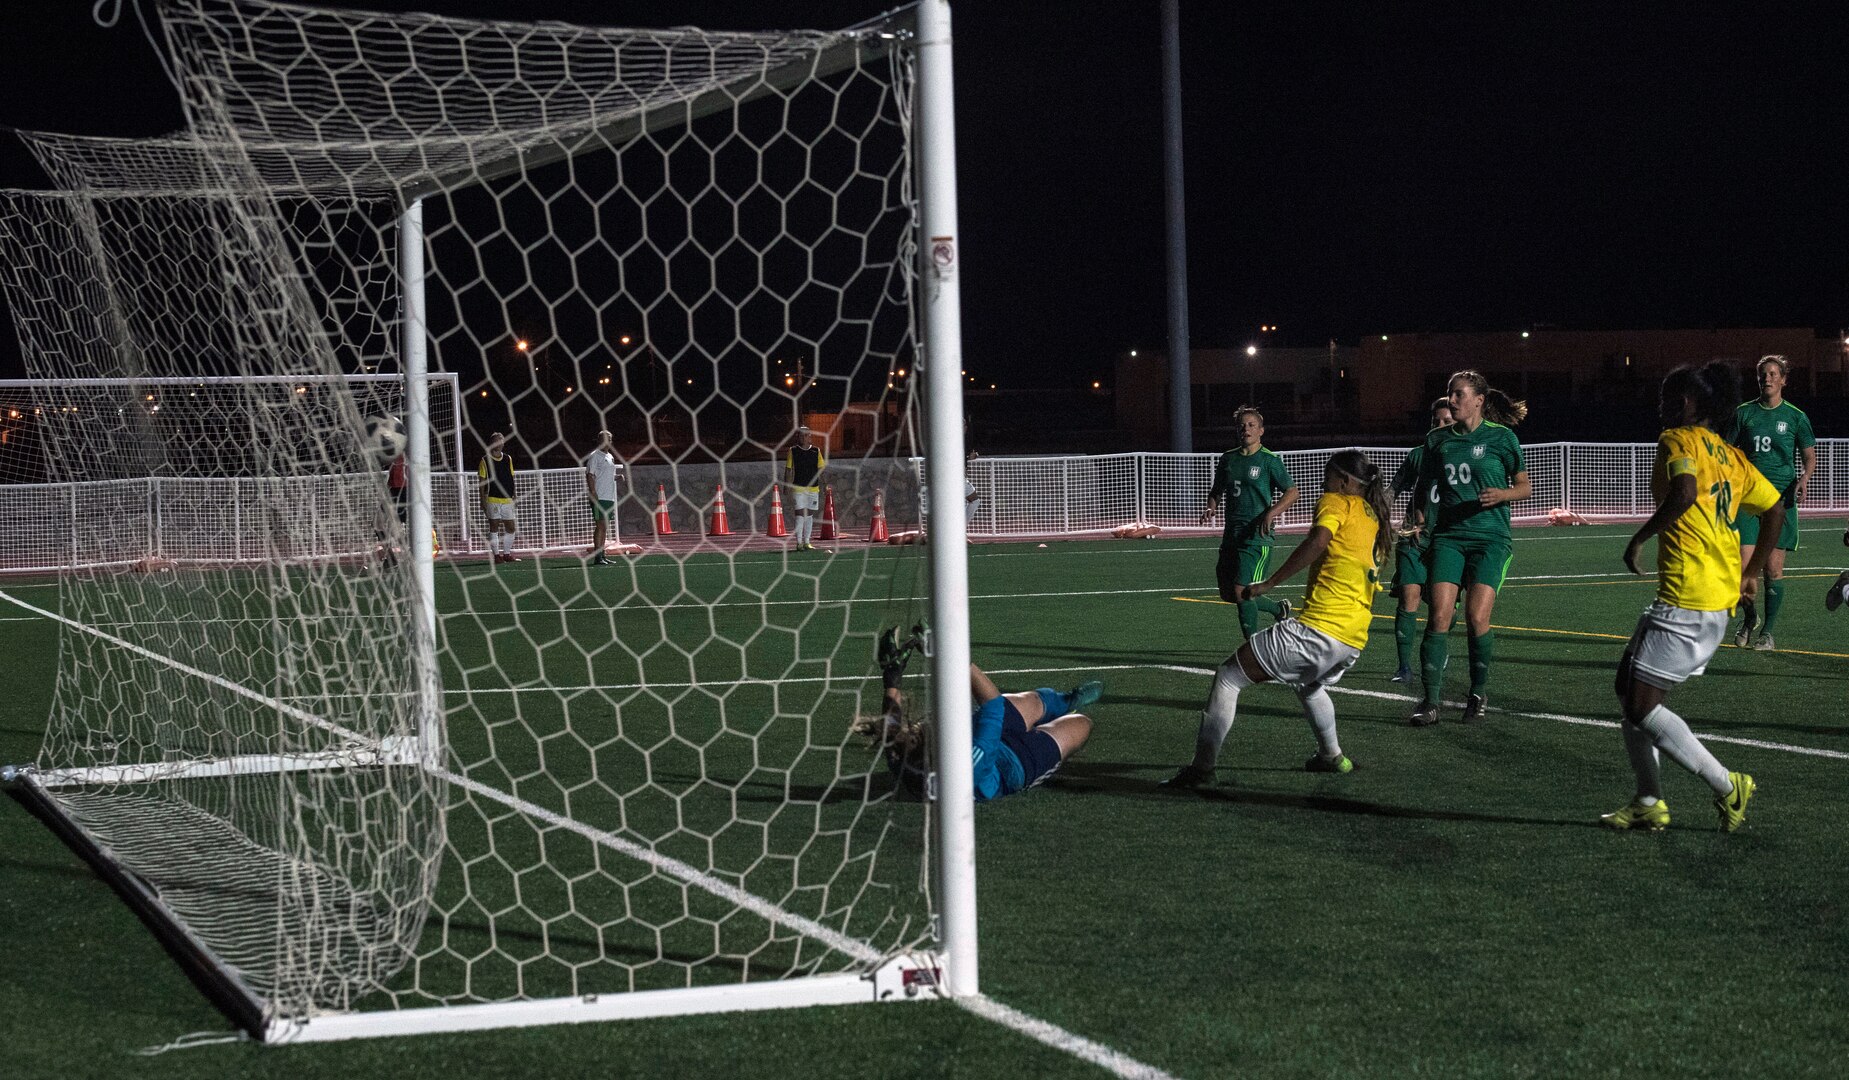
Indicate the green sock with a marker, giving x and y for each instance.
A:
(1248, 617)
(1436, 655)
(1405, 629)
(1482, 651)
(1775, 599)
(1269, 606)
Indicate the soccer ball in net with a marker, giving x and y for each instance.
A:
(383, 438)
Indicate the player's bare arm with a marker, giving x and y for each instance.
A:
(1681, 496)
(1303, 555)
(1269, 521)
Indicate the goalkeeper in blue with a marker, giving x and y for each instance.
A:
(1350, 538)
(1018, 740)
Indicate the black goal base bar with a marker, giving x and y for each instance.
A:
(216, 981)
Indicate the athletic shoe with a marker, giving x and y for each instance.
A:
(1403, 675)
(1763, 643)
(511, 557)
(1733, 804)
(1424, 715)
(1838, 594)
(1190, 777)
(600, 560)
(1084, 694)
(1283, 611)
(1749, 618)
(1653, 818)
(1474, 707)
(1336, 764)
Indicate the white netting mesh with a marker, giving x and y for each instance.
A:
(641, 777)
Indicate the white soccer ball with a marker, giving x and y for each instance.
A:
(383, 438)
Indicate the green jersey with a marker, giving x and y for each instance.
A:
(1771, 439)
(1456, 466)
(1247, 483)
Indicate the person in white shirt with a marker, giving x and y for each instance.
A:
(600, 485)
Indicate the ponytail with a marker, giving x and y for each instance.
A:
(1354, 463)
(1498, 406)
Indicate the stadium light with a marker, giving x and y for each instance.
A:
(1132, 352)
(1251, 350)
(521, 344)
(1524, 333)
(624, 340)
(1096, 385)
(1383, 337)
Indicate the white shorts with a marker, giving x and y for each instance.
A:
(500, 511)
(805, 498)
(1302, 657)
(1672, 645)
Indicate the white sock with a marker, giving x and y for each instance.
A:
(1321, 712)
(1672, 736)
(1217, 718)
(804, 528)
(1642, 751)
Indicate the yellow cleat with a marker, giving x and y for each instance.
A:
(1733, 804)
(1653, 818)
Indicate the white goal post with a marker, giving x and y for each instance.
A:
(363, 794)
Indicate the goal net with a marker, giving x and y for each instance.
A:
(376, 792)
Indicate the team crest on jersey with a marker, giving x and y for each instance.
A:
(1781, 427)
(1476, 451)
(1252, 472)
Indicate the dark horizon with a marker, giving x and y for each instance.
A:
(1347, 174)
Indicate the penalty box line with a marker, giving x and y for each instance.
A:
(1033, 1027)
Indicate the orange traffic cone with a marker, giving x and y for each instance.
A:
(663, 527)
(720, 526)
(776, 527)
(826, 529)
(878, 534)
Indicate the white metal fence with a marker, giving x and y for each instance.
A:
(231, 520)
(1042, 496)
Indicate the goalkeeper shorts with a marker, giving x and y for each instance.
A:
(1036, 754)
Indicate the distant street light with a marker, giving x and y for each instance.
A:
(1251, 350)
(521, 344)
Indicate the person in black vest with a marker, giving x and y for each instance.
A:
(497, 476)
(802, 470)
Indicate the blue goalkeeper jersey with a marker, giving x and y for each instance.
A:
(996, 770)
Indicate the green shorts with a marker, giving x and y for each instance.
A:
(1477, 560)
(1787, 536)
(1408, 566)
(1242, 565)
(601, 508)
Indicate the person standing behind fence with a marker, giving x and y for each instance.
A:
(1776, 437)
(600, 486)
(1409, 554)
(496, 472)
(1470, 472)
(1249, 477)
(802, 470)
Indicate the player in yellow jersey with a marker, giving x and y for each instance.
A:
(1351, 537)
(1703, 486)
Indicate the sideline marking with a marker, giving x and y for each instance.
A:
(989, 1009)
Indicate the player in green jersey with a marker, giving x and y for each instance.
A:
(1249, 478)
(1776, 437)
(1470, 472)
(1409, 553)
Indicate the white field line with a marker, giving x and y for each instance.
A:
(1194, 587)
(1047, 1033)
(1060, 1039)
(1562, 718)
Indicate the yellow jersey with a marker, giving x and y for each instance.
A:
(1698, 555)
(1343, 580)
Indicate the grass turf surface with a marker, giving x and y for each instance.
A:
(1448, 909)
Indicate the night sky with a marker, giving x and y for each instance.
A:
(1348, 172)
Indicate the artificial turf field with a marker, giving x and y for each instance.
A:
(1448, 909)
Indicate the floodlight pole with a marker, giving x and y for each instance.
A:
(415, 357)
(943, 355)
(1180, 378)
